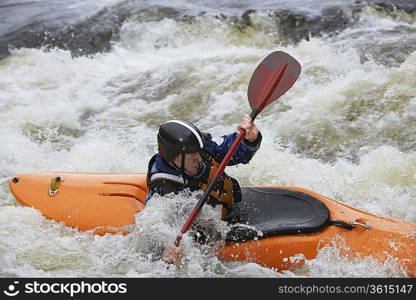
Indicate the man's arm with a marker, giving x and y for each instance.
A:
(243, 154)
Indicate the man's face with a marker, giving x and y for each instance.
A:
(191, 164)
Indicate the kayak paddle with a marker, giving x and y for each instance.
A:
(272, 78)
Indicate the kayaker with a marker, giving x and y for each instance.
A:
(187, 158)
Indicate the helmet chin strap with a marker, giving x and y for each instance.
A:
(182, 167)
(183, 162)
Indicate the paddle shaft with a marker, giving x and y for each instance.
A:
(254, 112)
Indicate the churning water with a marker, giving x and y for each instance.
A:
(84, 87)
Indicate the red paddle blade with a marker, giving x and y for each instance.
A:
(263, 82)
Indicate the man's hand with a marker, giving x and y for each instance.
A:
(251, 129)
(173, 255)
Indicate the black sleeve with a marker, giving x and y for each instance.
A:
(254, 145)
(163, 187)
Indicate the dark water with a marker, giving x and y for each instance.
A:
(87, 27)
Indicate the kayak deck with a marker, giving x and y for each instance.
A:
(104, 203)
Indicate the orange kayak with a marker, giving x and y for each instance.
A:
(287, 224)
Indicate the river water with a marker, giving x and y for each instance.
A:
(84, 86)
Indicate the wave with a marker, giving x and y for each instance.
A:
(68, 28)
